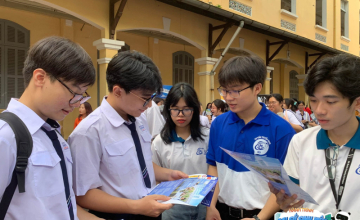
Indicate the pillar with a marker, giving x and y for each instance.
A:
(268, 80)
(206, 93)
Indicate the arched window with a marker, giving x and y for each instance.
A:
(14, 43)
(183, 67)
(293, 85)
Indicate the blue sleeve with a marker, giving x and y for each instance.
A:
(210, 155)
(282, 146)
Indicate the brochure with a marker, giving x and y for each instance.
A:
(271, 170)
(198, 188)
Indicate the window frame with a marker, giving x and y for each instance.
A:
(183, 67)
(323, 14)
(346, 21)
(293, 7)
(290, 82)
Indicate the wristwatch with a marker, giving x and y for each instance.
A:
(256, 217)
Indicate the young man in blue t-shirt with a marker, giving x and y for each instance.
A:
(240, 193)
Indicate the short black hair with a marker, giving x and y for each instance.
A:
(343, 71)
(292, 103)
(277, 96)
(178, 91)
(132, 70)
(242, 69)
(61, 59)
(158, 99)
(219, 104)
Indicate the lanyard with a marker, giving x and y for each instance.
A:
(343, 177)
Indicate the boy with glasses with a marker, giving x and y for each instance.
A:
(247, 128)
(57, 73)
(113, 168)
(324, 160)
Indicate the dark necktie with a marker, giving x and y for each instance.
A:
(54, 138)
(140, 155)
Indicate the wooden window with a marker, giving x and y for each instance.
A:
(293, 85)
(14, 43)
(183, 67)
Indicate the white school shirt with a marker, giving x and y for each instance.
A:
(306, 116)
(292, 118)
(44, 197)
(105, 157)
(305, 162)
(154, 119)
(189, 157)
(204, 121)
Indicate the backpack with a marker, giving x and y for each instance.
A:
(24, 144)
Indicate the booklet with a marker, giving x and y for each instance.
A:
(271, 170)
(198, 188)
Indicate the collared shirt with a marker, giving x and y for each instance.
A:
(266, 135)
(45, 192)
(305, 163)
(105, 157)
(154, 119)
(188, 156)
(292, 118)
(204, 121)
(301, 117)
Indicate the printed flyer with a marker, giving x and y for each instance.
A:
(271, 170)
(198, 188)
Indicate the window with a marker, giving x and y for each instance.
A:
(293, 85)
(321, 13)
(289, 5)
(344, 18)
(14, 43)
(183, 67)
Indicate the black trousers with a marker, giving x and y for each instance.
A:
(230, 213)
(113, 216)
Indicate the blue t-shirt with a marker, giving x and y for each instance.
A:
(266, 135)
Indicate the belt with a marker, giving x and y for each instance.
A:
(236, 212)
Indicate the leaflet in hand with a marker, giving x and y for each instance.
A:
(271, 170)
(198, 188)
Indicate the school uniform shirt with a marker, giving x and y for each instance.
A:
(300, 117)
(44, 197)
(266, 135)
(188, 157)
(305, 163)
(292, 118)
(154, 119)
(204, 121)
(105, 157)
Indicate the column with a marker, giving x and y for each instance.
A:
(268, 80)
(107, 49)
(205, 82)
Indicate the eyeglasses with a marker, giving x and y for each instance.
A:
(76, 97)
(186, 112)
(332, 154)
(146, 101)
(233, 93)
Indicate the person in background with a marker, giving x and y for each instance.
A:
(204, 120)
(208, 109)
(217, 108)
(155, 119)
(159, 102)
(182, 144)
(275, 104)
(290, 107)
(302, 115)
(84, 110)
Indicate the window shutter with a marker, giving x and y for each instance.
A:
(183, 66)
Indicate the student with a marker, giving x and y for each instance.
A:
(57, 73)
(204, 121)
(84, 110)
(217, 108)
(182, 144)
(155, 119)
(304, 116)
(113, 170)
(208, 108)
(333, 88)
(290, 108)
(247, 128)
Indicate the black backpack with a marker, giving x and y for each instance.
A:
(24, 148)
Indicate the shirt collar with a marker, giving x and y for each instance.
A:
(263, 118)
(111, 114)
(32, 120)
(323, 141)
(174, 137)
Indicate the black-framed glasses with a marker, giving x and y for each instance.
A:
(186, 112)
(233, 93)
(332, 154)
(146, 101)
(76, 97)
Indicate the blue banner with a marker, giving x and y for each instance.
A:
(165, 92)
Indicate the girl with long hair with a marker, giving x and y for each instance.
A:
(84, 110)
(182, 144)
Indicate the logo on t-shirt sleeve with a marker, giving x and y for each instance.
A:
(261, 145)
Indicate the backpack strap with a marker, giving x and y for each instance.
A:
(24, 145)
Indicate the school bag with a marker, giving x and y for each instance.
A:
(24, 148)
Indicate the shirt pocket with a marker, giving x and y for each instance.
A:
(47, 174)
(146, 145)
(122, 157)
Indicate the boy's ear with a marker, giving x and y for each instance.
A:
(39, 77)
(258, 88)
(117, 91)
(357, 103)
